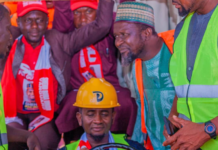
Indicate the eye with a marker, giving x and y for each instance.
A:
(90, 114)
(104, 114)
(40, 20)
(75, 12)
(116, 36)
(88, 11)
(28, 20)
(126, 34)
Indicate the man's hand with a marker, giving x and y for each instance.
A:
(190, 137)
(175, 125)
(33, 143)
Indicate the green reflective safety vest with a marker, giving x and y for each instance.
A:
(118, 138)
(197, 99)
(3, 129)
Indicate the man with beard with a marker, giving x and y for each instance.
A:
(10, 134)
(83, 68)
(193, 69)
(43, 57)
(96, 100)
(135, 37)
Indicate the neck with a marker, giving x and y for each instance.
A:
(152, 48)
(34, 45)
(94, 143)
(206, 6)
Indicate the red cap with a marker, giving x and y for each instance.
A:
(75, 4)
(27, 6)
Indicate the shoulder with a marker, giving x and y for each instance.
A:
(135, 144)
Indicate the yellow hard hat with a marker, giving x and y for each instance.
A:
(96, 93)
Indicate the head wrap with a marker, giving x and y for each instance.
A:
(135, 12)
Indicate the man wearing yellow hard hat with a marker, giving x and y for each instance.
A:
(96, 100)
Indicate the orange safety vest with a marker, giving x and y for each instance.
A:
(168, 38)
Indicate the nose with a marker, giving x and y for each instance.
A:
(34, 24)
(97, 118)
(118, 41)
(83, 17)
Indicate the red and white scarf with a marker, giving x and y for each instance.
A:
(90, 64)
(43, 87)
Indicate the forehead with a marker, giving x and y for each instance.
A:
(35, 13)
(121, 26)
(96, 109)
(84, 8)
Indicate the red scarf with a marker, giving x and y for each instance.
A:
(90, 64)
(42, 83)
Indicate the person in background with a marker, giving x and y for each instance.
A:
(42, 57)
(193, 69)
(138, 42)
(96, 100)
(101, 64)
(8, 133)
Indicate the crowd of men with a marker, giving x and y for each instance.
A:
(59, 82)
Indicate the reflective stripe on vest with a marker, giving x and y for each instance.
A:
(197, 99)
(3, 139)
(3, 129)
(197, 91)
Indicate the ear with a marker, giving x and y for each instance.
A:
(18, 22)
(113, 116)
(47, 22)
(79, 118)
(146, 34)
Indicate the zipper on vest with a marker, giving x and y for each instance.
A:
(187, 103)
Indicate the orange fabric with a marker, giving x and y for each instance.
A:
(50, 18)
(139, 81)
(12, 6)
(168, 38)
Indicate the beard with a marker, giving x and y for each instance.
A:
(97, 138)
(127, 60)
(183, 12)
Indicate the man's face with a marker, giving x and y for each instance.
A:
(83, 16)
(49, 4)
(33, 25)
(184, 6)
(30, 93)
(128, 40)
(96, 122)
(5, 35)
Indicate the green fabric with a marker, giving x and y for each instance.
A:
(3, 129)
(118, 138)
(135, 12)
(204, 74)
(159, 97)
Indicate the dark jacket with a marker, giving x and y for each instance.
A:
(63, 46)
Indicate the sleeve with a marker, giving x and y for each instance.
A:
(63, 17)
(92, 32)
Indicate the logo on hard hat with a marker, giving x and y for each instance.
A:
(99, 96)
